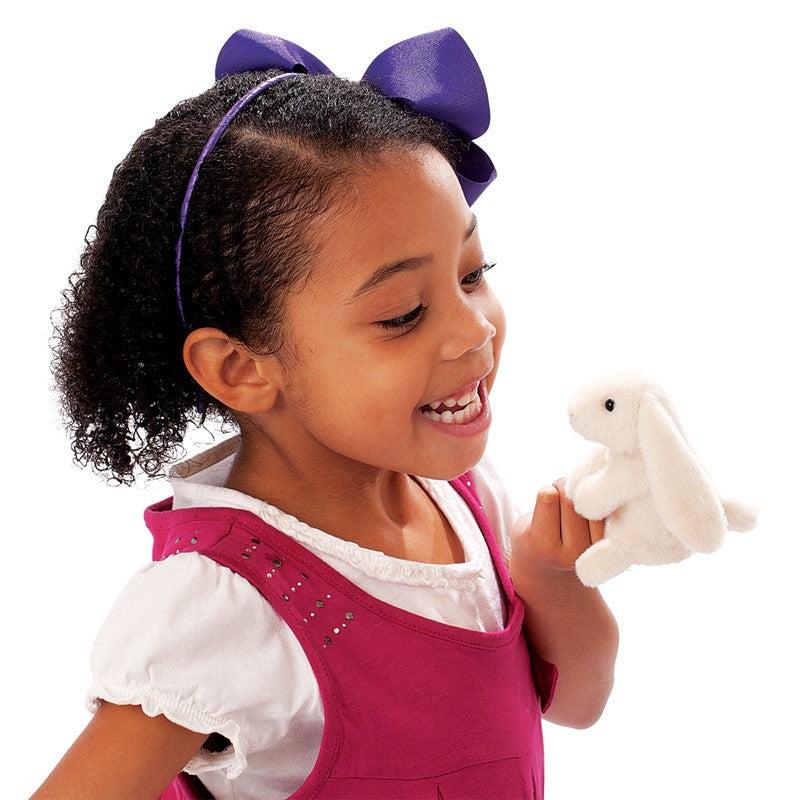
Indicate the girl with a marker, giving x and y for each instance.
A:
(330, 609)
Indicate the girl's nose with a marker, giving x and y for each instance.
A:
(469, 332)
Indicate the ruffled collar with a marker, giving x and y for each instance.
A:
(198, 481)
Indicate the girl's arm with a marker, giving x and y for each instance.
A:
(570, 625)
(122, 754)
(567, 623)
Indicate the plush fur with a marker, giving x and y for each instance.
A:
(644, 479)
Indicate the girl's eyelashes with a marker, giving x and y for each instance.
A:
(408, 319)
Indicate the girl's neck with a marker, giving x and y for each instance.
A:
(369, 505)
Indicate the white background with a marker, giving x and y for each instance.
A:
(645, 214)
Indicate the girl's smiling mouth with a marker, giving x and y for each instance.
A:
(473, 419)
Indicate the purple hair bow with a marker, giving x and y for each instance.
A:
(435, 73)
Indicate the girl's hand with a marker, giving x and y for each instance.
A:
(547, 541)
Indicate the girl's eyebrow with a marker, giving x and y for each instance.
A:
(385, 272)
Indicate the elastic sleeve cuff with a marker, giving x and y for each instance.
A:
(545, 676)
(232, 758)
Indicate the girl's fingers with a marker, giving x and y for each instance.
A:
(574, 528)
(546, 523)
(597, 529)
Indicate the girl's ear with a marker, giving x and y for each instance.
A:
(230, 372)
(203, 351)
(681, 491)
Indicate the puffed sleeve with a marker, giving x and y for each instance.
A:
(498, 504)
(194, 641)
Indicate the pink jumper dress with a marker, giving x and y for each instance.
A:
(413, 707)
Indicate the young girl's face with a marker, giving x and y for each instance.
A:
(373, 351)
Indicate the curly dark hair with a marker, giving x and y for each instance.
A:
(282, 162)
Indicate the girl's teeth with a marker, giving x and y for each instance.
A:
(461, 401)
(465, 415)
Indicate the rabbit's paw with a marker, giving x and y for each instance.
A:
(572, 482)
(589, 466)
(600, 562)
(590, 500)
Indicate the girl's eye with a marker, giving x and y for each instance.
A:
(408, 319)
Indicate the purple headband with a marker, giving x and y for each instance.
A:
(434, 73)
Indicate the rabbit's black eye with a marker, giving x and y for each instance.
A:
(610, 404)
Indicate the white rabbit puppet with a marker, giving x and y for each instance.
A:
(657, 500)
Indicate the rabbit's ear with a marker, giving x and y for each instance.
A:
(680, 489)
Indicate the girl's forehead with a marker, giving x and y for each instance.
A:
(409, 208)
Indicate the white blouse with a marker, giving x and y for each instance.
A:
(195, 641)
